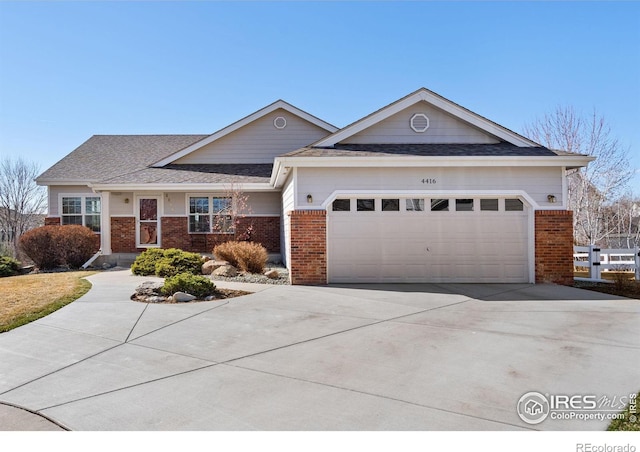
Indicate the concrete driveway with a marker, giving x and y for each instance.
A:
(373, 357)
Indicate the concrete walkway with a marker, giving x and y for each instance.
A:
(372, 357)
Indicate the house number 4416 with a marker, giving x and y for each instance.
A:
(428, 181)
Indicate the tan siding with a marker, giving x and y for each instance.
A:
(121, 203)
(443, 128)
(56, 190)
(259, 141)
(264, 203)
(536, 182)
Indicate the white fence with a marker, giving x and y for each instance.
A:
(596, 260)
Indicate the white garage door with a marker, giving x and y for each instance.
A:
(428, 240)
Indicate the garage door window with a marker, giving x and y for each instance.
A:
(464, 205)
(341, 205)
(390, 205)
(415, 205)
(439, 205)
(366, 205)
(489, 205)
(513, 205)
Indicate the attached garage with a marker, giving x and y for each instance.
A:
(425, 191)
(428, 239)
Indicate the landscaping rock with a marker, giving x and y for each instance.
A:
(182, 297)
(155, 299)
(211, 265)
(272, 274)
(149, 288)
(206, 258)
(106, 266)
(225, 270)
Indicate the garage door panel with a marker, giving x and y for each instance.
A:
(428, 247)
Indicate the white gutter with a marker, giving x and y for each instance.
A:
(401, 160)
(181, 187)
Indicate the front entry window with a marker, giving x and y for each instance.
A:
(148, 222)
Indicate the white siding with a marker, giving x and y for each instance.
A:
(536, 182)
(259, 141)
(443, 128)
(56, 190)
(287, 206)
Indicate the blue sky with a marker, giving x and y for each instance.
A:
(69, 70)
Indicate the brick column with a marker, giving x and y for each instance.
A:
(554, 246)
(308, 247)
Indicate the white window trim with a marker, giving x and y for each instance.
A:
(211, 214)
(83, 197)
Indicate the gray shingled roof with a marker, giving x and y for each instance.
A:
(424, 150)
(197, 174)
(107, 156)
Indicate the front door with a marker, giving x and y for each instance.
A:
(147, 222)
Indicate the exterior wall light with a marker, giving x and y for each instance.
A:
(309, 198)
(551, 199)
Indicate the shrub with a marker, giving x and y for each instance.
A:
(76, 244)
(225, 252)
(164, 263)
(8, 266)
(51, 246)
(248, 256)
(196, 285)
(175, 261)
(145, 263)
(40, 245)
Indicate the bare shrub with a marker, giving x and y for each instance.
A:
(248, 256)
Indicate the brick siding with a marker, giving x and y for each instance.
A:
(554, 246)
(175, 234)
(308, 247)
(52, 221)
(123, 235)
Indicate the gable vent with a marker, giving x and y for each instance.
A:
(419, 122)
(279, 123)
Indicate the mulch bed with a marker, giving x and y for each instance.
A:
(219, 294)
(629, 289)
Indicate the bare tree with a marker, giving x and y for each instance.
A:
(592, 190)
(233, 209)
(22, 202)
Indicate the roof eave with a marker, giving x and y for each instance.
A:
(569, 162)
(49, 182)
(183, 187)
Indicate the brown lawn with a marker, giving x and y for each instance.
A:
(29, 297)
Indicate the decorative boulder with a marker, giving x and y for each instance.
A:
(149, 288)
(272, 274)
(182, 297)
(211, 265)
(226, 270)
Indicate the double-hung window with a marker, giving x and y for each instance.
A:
(82, 210)
(210, 214)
